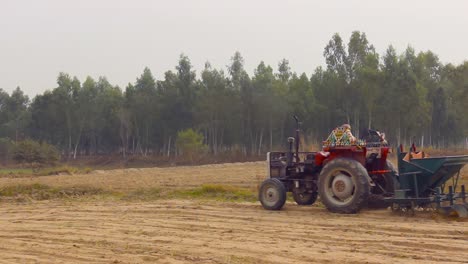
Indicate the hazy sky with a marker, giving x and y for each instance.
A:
(117, 39)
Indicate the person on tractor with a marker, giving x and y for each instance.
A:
(341, 136)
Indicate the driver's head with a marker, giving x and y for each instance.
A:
(346, 126)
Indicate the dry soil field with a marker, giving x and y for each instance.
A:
(206, 231)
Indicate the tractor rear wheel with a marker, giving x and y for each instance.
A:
(343, 186)
(272, 194)
(385, 187)
(305, 198)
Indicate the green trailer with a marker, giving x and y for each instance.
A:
(430, 181)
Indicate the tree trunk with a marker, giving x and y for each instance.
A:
(271, 134)
(69, 145)
(260, 142)
(169, 147)
(77, 141)
(147, 139)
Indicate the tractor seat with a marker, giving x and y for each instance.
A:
(313, 157)
(319, 157)
(323, 153)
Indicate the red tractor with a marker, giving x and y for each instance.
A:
(346, 177)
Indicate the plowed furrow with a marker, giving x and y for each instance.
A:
(185, 231)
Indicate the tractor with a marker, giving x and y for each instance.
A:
(349, 177)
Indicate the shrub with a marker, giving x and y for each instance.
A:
(30, 151)
(48, 154)
(6, 147)
(190, 142)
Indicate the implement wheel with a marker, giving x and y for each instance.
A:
(272, 194)
(343, 186)
(305, 198)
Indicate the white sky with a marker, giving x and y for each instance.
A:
(117, 39)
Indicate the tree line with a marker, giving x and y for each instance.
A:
(411, 96)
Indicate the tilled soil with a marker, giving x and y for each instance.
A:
(194, 231)
(176, 231)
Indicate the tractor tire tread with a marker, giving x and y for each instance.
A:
(363, 187)
(308, 201)
(281, 191)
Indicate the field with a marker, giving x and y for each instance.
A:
(203, 214)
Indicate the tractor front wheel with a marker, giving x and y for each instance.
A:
(343, 186)
(272, 194)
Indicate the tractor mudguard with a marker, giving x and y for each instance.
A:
(371, 182)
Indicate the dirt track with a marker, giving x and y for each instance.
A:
(187, 231)
(178, 231)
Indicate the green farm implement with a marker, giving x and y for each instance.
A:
(430, 181)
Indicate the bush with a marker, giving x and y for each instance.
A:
(30, 151)
(6, 147)
(190, 142)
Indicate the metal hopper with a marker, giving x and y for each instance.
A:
(423, 181)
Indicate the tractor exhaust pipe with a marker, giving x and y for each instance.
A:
(290, 157)
(297, 137)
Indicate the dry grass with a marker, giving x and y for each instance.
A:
(243, 175)
(28, 172)
(40, 192)
(43, 192)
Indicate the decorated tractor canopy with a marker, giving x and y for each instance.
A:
(349, 174)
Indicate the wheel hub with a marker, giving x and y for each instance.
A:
(342, 186)
(271, 194)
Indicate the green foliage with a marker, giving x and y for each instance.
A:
(190, 142)
(411, 95)
(6, 148)
(43, 171)
(30, 151)
(217, 192)
(44, 192)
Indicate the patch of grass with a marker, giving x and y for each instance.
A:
(86, 170)
(64, 170)
(207, 191)
(218, 192)
(18, 172)
(14, 190)
(58, 170)
(44, 192)
(204, 192)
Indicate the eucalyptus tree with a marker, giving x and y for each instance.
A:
(264, 106)
(14, 114)
(242, 83)
(216, 108)
(141, 100)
